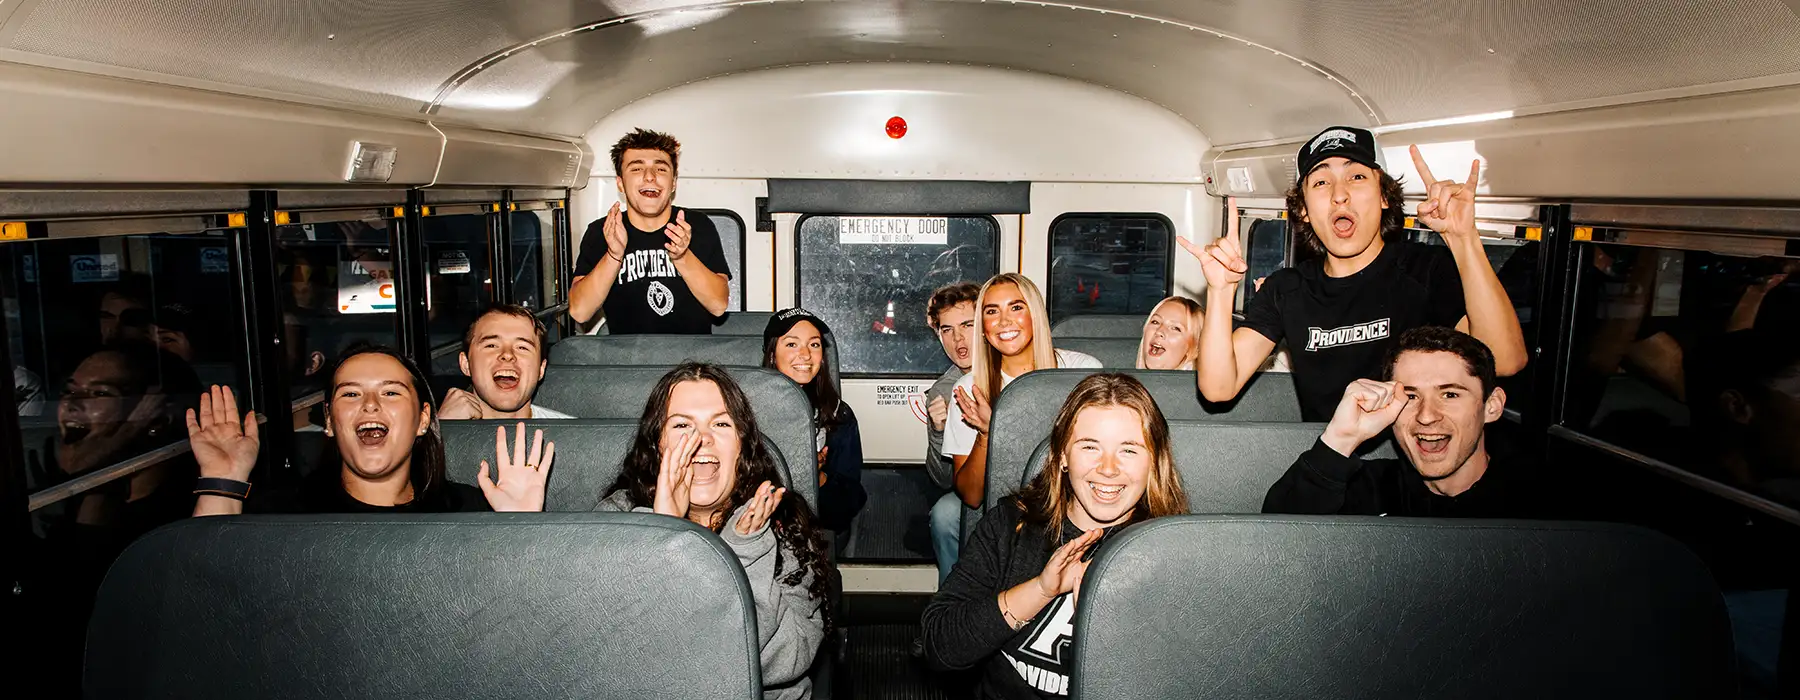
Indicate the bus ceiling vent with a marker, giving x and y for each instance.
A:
(370, 162)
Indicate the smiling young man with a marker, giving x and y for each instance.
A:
(651, 266)
(503, 356)
(1439, 400)
(1341, 311)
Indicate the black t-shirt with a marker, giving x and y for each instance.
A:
(1339, 328)
(322, 492)
(649, 295)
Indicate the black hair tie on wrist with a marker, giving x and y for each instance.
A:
(229, 488)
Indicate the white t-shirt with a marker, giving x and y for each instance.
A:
(541, 412)
(959, 436)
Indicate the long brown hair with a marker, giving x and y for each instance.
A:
(1046, 501)
(987, 359)
(793, 522)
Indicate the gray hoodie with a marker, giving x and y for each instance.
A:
(790, 624)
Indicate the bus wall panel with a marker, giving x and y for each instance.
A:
(1734, 146)
(962, 123)
(473, 157)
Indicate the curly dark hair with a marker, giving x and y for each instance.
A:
(1393, 217)
(793, 521)
(648, 140)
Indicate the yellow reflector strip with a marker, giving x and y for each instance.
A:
(512, 206)
(399, 212)
(1281, 215)
(1584, 233)
(562, 203)
(236, 219)
(424, 211)
(1534, 233)
(283, 218)
(495, 207)
(12, 231)
(1411, 222)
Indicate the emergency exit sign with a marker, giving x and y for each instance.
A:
(893, 230)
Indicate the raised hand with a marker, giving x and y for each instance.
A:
(1063, 573)
(1222, 260)
(522, 479)
(680, 235)
(939, 410)
(614, 230)
(224, 447)
(461, 405)
(1368, 407)
(1449, 206)
(761, 506)
(675, 479)
(975, 409)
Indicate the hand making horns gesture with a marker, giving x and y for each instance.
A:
(1449, 206)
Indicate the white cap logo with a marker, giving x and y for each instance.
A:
(1331, 140)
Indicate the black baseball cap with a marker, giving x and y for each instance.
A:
(788, 318)
(1358, 145)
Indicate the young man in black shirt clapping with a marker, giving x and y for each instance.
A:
(652, 267)
(1341, 312)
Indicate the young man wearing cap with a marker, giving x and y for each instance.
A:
(1342, 311)
(653, 267)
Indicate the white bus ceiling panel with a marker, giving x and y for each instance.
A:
(961, 123)
(1240, 70)
(1734, 146)
(474, 157)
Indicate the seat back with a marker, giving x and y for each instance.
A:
(1100, 326)
(658, 350)
(733, 323)
(1349, 607)
(589, 457)
(782, 410)
(1225, 467)
(492, 605)
(1113, 353)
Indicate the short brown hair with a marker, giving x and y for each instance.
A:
(947, 296)
(645, 139)
(1393, 218)
(1474, 353)
(537, 326)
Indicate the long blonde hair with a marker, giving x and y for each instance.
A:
(987, 359)
(1196, 315)
(1047, 499)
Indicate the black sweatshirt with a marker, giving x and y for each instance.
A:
(963, 626)
(1323, 482)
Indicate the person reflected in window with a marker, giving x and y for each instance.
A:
(652, 267)
(1746, 410)
(389, 455)
(175, 327)
(503, 357)
(950, 314)
(1438, 398)
(1009, 605)
(122, 401)
(1016, 334)
(1340, 312)
(795, 344)
(124, 310)
(1171, 335)
(698, 455)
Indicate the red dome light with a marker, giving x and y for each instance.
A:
(896, 127)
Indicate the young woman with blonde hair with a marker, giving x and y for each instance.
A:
(1009, 605)
(1015, 328)
(1171, 335)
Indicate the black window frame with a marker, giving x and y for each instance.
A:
(743, 261)
(1050, 254)
(800, 285)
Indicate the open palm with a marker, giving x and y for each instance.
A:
(522, 479)
(224, 447)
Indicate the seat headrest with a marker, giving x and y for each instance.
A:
(493, 605)
(658, 350)
(1100, 326)
(1289, 607)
